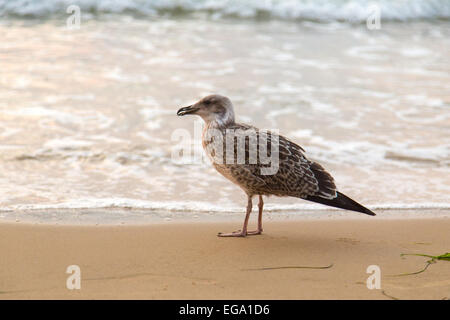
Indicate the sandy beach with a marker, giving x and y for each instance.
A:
(188, 261)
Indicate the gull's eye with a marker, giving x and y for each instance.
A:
(220, 110)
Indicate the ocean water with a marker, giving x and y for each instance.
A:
(319, 10)
(88, 116)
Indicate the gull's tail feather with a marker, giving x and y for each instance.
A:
(341, 201)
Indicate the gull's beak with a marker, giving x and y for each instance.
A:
(187, 110)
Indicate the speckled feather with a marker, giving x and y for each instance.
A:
(297, 176)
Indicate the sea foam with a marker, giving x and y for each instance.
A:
(319, 10)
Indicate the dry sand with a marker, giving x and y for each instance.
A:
(188, 261)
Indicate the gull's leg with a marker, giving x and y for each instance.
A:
(260, 207)
(243, 232)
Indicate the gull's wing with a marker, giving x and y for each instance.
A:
(298, 176)
(294, 174)
(289, 174)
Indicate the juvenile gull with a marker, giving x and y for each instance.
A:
(245, 165)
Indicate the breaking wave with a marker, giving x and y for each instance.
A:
(316, 10)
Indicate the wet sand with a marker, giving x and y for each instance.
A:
(187, 261)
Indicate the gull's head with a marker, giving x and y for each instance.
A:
(213, 108)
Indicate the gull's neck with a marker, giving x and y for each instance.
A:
(220, 121)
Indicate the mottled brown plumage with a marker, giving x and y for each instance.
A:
(261, 162)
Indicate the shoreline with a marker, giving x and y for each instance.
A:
(142, 217)
(188, 261)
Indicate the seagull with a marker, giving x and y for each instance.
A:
(262, 163)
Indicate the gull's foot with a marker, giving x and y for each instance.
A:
(254, 233)
(238, 233)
